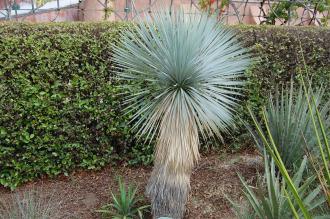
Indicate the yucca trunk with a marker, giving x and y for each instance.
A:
(175, 156)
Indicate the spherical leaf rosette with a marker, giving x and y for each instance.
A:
(187, 66)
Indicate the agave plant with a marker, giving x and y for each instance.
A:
(274, 204)
(125, 204)
(290, 124)
(184, 73)
(321, 147)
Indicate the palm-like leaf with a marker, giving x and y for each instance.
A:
(184, 64)
(184, 74)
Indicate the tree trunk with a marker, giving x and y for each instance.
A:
(176, 155)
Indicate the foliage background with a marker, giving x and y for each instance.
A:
(61, 107)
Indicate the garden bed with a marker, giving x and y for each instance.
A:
(61, 109)
(83, 192)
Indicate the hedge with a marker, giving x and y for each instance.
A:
(61, 106)
(281, 54)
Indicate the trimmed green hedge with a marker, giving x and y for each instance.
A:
(60, 106)
(280, 53)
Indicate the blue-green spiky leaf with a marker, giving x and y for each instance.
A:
(182, 63)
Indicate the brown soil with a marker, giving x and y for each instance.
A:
(213, 179)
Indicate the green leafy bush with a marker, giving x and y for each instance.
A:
(278, 60)
(278, 54)
(59, 102)
(61, 109)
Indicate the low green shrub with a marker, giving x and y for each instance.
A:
(61, 109)
(59, 103)
(278, 52)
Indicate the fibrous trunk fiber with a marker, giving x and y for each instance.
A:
(176, 154)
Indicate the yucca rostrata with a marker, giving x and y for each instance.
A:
(184, 73)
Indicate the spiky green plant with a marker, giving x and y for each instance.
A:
(31, 204)
(290, 124)
(321, 132)
(125, 205)
(322, 148)
(184, 73)
(275, 203)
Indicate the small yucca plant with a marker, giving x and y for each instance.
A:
(125, 204)
(274, 203)
(290, 123)
(322, 148)
(184, 73)
(32, 204)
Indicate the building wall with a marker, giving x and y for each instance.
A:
(94, 10)
(68, 14)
